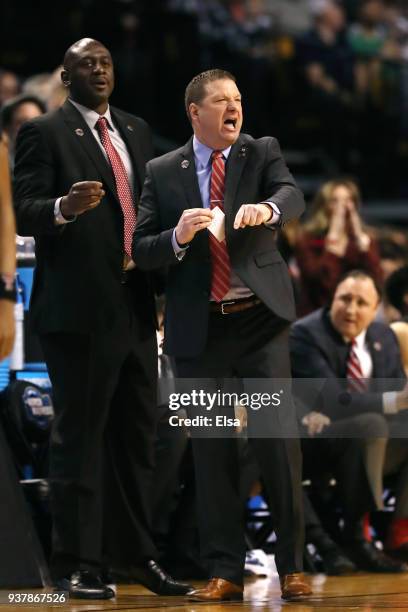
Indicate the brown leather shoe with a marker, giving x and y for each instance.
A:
(218, 589)
(294, 586)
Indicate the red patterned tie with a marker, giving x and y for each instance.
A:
(122, 184)
(221, 266)
(354, 373)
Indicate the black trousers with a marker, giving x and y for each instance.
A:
(252, 344)
(102, 444)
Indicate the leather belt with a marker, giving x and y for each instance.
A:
(234, 305)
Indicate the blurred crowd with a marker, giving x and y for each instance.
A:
(320, 75)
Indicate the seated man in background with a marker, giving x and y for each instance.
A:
(344, 346)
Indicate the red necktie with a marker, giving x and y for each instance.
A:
(221, 266)
(354, 373)
(122, 184)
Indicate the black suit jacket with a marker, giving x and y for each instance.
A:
(255, 171)
(77, 283)
(318, 351)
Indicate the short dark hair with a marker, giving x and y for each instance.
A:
(195, 90)
(396, 286)
(389, 249)
(361, 274)
(12, 105)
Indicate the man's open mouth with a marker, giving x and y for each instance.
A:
(231, 122)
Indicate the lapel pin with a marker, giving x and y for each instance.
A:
(242, 152)
(79, 132)
(377, 346)
(185, 163)
(130, 128)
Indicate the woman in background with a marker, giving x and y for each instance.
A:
(333, 241)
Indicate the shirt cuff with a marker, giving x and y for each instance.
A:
(276, 213)
(178, 250)
(390, 402)
(59, 217)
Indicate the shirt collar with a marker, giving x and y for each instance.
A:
(91, 117)
(360, 340)
(203, 153)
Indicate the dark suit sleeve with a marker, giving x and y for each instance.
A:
(152, 248)
(280, 184)
(332, 398)
(34, 183)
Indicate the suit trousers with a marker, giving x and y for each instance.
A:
(252, 344)
(102, 443)
(349, 449)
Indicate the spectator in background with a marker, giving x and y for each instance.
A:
(333, 241)
(377, 75)
(393, 253)
(325, 62)
(393, 250)
(47, 87)
(17, 111)
(396, 289)
(9, 85)
(7, 256)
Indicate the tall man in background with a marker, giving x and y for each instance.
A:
(78, 176)
(229, 303)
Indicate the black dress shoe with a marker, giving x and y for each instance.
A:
(84, 584)
(400, 553)
(154, 578)
(367, 557)
(336, 563)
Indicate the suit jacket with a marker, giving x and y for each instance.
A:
(255, 171)
(318, 351)
(77, 282)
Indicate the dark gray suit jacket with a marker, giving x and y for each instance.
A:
(77, 283)
(319, 352)
(255, 171)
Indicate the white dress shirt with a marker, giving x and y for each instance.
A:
(91, 117)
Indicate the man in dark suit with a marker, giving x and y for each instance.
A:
(358, 364)
(78, 176)
(229, 302)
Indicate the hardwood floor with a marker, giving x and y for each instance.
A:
(360, 592)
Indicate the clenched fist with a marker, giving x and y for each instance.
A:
(82, 197)
(252, 214)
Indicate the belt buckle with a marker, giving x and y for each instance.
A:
(226, 304)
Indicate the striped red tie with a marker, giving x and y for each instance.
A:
(122, 185)
(354, 373)
(221, 266)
